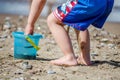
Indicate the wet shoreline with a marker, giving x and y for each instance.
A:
(113, 27)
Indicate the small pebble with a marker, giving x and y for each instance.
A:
(38, 28)
(19, 72)
(94, 54)
(12, 49)
(3, 36)
(51, 72)
(7, 25)
(104, 40)
(19, 29)
(26, 65)
(102, 44)
(111, 46)
(21, 78)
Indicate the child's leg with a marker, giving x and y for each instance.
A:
(63, 41)
(84, 43)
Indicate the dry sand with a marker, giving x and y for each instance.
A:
(105, 52)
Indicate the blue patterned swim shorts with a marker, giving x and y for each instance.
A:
(79, 14)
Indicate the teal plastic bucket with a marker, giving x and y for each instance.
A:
(23, 49)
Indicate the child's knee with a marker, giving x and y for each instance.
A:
(83, 45)
(51, 19)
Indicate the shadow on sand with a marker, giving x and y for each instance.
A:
(116, 64)
(111, 62)
(43, 59)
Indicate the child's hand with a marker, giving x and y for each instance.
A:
(29, 29)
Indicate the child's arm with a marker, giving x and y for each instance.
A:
(36, 8)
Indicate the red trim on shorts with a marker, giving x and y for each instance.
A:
(61, 15)
(68, 9)
(56, 15)
(72, 3)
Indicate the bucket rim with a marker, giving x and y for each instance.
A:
(21, 34)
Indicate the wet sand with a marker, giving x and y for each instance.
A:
(113, 27)
(105, 53)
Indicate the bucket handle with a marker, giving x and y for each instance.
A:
(31, 42)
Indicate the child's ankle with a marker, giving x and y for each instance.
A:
(70, 57)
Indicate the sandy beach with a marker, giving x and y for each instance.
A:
(105, 53)
(113, 27)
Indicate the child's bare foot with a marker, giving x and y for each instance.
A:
(82, 61)
(64, 61)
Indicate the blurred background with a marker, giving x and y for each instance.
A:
(22, 7)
